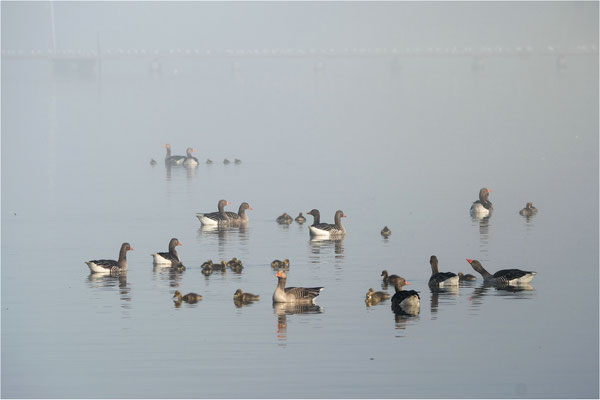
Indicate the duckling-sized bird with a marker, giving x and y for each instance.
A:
(226, 161)
(237, 161)
(236, 267)
(170, 258)
(466, 277)
(280, 264)
(222, 266)
(389, 279)
(207, 267)
(374, 297)
(234, 263)
(482, 207)
(298, 295)
(111, 266)
(300, 218)
(405, 301)
(529, 210)
(209, 161)
(284, 219)
(385, 232)
(441, 279)
(504, 276)
(188, 298)
(245, 297)
(152, 162)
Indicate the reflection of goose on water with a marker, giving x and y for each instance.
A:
(170, 258)
(111, 266)
(504, 276)
(215, 218)
(441, 279)
(482, 207)
(293, 294)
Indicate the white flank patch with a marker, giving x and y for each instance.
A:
(205, 220)
(450, 282)
(97, 268)
(159, 260)
(479, 210)
(318, 232)
(522, 280)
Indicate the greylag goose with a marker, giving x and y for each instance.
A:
(316, 216)
(441, 279)
(293, 294)
(111, 266)
(504, 276)
(466, 277)
(240, 217)
(172, 160)
(215, 218)
(188, 298)
(374, 297)
(407, 301)
(245, 297)
(329, 230)
(284, 218)
(483, 206)
(529, 210)
(171, 258)
(300, 219)
(385, 232)
(189, 160)
(389, 279)
(280, 264)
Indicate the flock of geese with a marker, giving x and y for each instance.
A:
(403, 301)
(188, 160)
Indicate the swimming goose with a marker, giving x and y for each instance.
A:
(385, 232)
(280, 264)
(504, 276)
(112, 266)
(284, 218)
(300, 219)
(245, 297)
(374, 297)
(407, 301)
(170, 259)
(466, 277)
(293, 294)
(328, 230)
(188, 298)
(189, 160)
(215, 218)
(441, 279)
(240, 217)
(172, 160)
(316, 216)
(483, 206)
(391, 279)
(529, 210)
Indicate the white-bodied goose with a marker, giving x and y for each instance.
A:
(189, 160)
(441, 279)
(293, 294)
(483, 206)
(405, 300)
(170, 258)
(529, 210)
(504, 276)
(329, 230)
(172, 160)
(240, 217)
(215, 218)
(111, 266)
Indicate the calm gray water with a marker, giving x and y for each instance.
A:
(405, 147)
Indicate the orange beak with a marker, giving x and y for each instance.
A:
(179, 244)
(407, 283)
(279, 274)
(469, 260)
(130, 248)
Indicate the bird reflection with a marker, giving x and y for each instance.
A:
(223, 234)
(317, 244)
(446, 294)
(523, 291)
(282, 310)
(484, 231)
(405, 317)
(173, 275)
(110, 280)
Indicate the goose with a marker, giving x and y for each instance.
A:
(188, 298)
(293, 294)
(215, 218)
(407, 301)
(300, 219)
(171, 258)
(376, 297)
(111, 266)
(189, 160)
(504, 276)
(529, 210)
(483, 206)
(280, 264)
(441, 279)
(240, 217)
(172, 160)
(389, 279)
(466, 277)
(328, 230)
(316, 216)
(245, 297)
(385, 232)
(284, 218)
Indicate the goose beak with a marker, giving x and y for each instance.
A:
(469, 260)
(406, 283)
(279, 274)
(179, 244)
